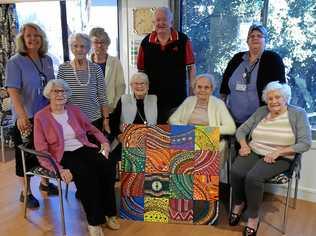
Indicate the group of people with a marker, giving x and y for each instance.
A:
(87, 100)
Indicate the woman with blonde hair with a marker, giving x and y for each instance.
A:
(27, 73)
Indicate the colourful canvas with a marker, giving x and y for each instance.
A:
(180, 211)
(182, 137)
(206, 162)
(132, 208)
(134, 136)
(206, 138)
(133, 160)
(205, 187)
(158, 137)
(132, 184)
(205, 212)
(181, 186)
(156, 185)
(157, 160)
(170, 174)
(181, 162)
(156, 210)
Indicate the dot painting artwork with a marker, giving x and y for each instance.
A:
(170, 174)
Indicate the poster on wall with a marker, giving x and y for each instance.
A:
(170, 174)
(142, 24)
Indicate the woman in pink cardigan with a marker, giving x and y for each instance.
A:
(61, 130)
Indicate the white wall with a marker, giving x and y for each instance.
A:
(127, 36)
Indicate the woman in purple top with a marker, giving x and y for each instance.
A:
(27, 72)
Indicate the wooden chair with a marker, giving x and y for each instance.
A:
(42, 172)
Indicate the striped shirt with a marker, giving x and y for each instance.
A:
(271, 134)
(88, 94)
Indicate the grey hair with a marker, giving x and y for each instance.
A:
(81, 36)
(259, 28)
(99, 32)
(56, 82)
(139, 75)
(284, 90)
(209, 77)
(166, 11)
(20, 46)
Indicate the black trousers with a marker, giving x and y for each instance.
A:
(92, 176)
(30, 160)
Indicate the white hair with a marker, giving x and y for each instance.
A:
(284, 90)
(209, 77)
(139, 75)
(56, 82)
(81, 36)
(166, 11)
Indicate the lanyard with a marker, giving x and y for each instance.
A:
(42, 76)
(247, 74)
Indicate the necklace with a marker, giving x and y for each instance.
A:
(142, 118)
(77, 78)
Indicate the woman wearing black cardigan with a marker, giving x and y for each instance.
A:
(247, 74)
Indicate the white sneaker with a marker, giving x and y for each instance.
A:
(112, 223)
(95, 230)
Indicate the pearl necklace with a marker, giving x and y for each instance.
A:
(77, 78)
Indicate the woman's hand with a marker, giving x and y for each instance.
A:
(244, 150)
(105, 150)
(66, 175)
(24, 124)
(271, 157)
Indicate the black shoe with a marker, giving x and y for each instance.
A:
(234, 219)
(250, 231)
(31, 201)
(50, 188)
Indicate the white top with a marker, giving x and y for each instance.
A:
(71, 143)
(218, 115)
(271, 134)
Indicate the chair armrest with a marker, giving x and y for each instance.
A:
(41, 155)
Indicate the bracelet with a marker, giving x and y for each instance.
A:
(107, 117)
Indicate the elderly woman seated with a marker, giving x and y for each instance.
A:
(269, 140)
(61, 130)
(136, 108)
(205, 109)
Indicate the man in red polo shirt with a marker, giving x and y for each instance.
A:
(166, 56)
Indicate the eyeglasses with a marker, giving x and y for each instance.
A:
(57, 91)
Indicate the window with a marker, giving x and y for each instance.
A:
(36, 12)
(81, 17)
(218, 29)
(292, 34)
(99, 13)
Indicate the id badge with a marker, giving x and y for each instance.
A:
(241, 87)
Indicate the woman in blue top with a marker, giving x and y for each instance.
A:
(247, 74)
(27, 73)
